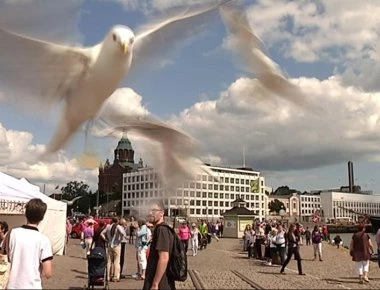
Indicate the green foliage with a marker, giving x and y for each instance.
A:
(285, 190)
(276, 206)
(74, 189)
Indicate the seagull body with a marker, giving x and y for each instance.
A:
(71, 202)
(98, 83)
(35, 70)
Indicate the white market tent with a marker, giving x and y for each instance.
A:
(15, 193)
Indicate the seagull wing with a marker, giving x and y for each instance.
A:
(249, 48)
(174, 151)
(156, 38)
(33, 70)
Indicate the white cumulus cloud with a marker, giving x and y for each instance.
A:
(19, 157)
(280, 136)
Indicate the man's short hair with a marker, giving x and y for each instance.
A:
(159, 203)
(4, 226)
(35, 210)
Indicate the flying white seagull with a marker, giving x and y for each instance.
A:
(174, 152)
(71, 202)
(81, 77)
(249, 48)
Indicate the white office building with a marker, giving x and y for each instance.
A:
(342, 205)
(309, 205)
(202, 197)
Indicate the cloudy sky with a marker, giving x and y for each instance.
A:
(328, 48)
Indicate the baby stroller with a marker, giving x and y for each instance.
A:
(97, 268)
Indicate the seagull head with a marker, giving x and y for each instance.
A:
(122, 38)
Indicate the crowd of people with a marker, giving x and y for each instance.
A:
(153, 241)
(272, 242)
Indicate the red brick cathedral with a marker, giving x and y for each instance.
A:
(111, 175)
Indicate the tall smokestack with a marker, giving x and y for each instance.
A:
(351, 176)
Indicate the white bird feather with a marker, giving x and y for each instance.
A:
(36, 70)
(71, 202)
(248, 47)
(173, 151)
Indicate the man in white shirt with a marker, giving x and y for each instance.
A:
(114, 234)
(28, 250)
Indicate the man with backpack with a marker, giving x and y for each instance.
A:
(163, 252)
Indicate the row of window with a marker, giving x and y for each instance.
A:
(357, 204)
(223, 180)
(310, 205)
(310, 199)
(198, 194)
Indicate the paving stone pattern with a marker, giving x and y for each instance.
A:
(214, 266)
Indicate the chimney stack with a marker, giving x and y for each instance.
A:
(351, 176)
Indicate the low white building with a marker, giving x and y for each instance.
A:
(342, 205)
(309, 205)
(201, 197)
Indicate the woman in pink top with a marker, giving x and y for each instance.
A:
(184, 235)
(86, 237)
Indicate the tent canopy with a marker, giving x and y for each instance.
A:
(15, 193)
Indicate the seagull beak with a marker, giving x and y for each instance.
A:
(125, 48)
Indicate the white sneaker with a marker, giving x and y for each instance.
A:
(194, 255)
(135, 275)
(269, 264)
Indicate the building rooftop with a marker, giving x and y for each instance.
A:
(238, 211)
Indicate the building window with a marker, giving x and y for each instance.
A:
(198, 211)
(191, 211)
(215, 203)
(209, 211)
(204, 194)
(221, 203)
(209, 203)
(203, 202)
(204, 177)
(210, 195)
(227, 203)
(227, 181)
(198, 186)
(203, 211)
(232, 180)
(215, 195)
(221, 195)
(192, 193)
(198, 202)
(204, 186)
(232, 196)
(216, 212)
(227, 196)
(192, 202)
(198, 194)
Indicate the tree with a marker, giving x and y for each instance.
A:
(276, 206)
(285, 190)
(74, 189)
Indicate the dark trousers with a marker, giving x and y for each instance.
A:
(250, 251)
(308, 242)
(258, 244)
(293, 251)
(281, 253)
(122, 257)
(185, 245)
(378, 257)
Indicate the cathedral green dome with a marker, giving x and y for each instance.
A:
(124, 143)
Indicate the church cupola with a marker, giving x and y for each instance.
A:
(124, 151)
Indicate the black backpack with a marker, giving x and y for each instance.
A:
(177, 267)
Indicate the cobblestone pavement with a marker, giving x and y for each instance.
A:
(214, 266)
